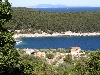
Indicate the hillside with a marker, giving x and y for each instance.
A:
(31, 20)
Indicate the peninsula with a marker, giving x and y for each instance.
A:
(31, 21)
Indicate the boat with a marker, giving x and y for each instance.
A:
(18, 41)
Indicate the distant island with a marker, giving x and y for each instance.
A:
(53, 6)
(49, 6)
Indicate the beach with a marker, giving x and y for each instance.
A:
(67, 33)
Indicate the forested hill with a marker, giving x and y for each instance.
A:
(31, 20)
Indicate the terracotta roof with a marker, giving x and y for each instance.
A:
(75, 48)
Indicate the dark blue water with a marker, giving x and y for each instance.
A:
(69, 9)
(85, 42)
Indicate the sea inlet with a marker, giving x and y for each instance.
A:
(85, 42)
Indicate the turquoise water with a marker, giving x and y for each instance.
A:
(85, 42)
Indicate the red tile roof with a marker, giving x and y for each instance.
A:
(75, 48)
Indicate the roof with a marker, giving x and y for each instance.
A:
(75, 48)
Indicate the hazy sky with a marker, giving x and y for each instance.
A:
(26, 3)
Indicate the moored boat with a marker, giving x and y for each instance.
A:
(18, 41)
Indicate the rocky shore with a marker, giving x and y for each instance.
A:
(67, 33)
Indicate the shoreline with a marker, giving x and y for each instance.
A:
(67, 33)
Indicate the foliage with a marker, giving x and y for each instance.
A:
(49, 55)
(5, 12)
(30, 20)
(41, 67)
(68, 50)
(10, 60)
(94, 63)
(80, 66)
(68, 59)
(61, 50)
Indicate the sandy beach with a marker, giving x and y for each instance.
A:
(67, 33)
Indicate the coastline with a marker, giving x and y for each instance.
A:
(67, 33)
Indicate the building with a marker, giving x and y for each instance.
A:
(40, 54)
(75, 51)
(28, 51)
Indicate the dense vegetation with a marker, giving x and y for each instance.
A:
(15, 62)
(31, 20)
(89, 65)
(10, 61)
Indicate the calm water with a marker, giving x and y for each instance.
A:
(85, 42)
(69, 9)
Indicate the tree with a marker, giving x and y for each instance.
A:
(68, 59)
(10, 60)
(49, 55)
(94, 63)
(80, 66)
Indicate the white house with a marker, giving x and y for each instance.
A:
(75, 51)
(28, 51)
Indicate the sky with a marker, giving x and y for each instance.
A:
(27, 3)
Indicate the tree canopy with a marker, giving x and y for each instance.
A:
(10, 60)
(30, 20)
(13, 62)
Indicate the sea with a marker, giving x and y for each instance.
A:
(91, 43)
(85, 42)
(69, 9)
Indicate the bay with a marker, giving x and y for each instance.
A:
(85, 42)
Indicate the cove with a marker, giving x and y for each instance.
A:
(85, 42)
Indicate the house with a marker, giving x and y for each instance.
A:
(75, 51)
(35, 53)
(40, 54)
(29, 51)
